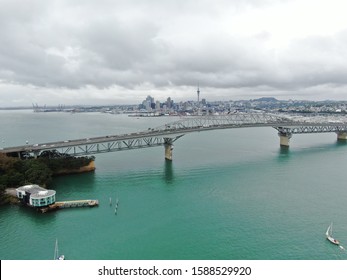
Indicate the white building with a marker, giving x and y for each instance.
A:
(36, 196)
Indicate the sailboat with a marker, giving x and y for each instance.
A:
(329, 233)
(56, 252)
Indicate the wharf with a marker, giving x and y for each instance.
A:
(70, 204)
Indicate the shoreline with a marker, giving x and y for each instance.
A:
(87, 168)
(10, 194)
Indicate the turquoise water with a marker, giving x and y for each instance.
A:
(229, 194)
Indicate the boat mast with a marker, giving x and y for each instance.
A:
(56, 254)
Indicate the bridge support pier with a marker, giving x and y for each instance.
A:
(341, 135)
(168, 148)
(168, 151)
(284, 139)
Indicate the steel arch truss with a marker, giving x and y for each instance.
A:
(169, 133)
(117, 145)
(284, 125)
(226, 121)
(312, 128)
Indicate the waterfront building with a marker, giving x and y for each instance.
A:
(36, 196)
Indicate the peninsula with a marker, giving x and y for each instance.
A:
(15, 172)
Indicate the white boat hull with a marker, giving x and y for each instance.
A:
(328, 235)
(332, 240)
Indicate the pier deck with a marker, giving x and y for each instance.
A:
(70, 204)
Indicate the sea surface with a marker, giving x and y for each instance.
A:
(227, 195)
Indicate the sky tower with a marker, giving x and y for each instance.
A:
(198, 92)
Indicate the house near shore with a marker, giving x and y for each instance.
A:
(35, 196)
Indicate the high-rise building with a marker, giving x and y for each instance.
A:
(149, 103)
(157, 105)
(169, 103)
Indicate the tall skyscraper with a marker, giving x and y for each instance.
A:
(198, 92)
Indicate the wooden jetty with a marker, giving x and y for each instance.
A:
(70, 204)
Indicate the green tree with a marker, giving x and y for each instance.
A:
(15, 172)
(37, 172)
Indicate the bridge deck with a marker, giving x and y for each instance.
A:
(170, 132)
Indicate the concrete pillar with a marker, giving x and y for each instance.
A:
(341, 135)
(168, 147)
(284, 139)
(168, 151)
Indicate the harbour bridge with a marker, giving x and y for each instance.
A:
(167, 134)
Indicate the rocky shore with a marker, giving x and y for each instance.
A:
(88, 168)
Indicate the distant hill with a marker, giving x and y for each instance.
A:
(266, 99)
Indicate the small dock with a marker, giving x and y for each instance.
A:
(70, 204)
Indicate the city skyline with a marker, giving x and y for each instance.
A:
(119, 52)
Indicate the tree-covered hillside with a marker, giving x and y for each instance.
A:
(15, 172)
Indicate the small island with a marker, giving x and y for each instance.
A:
(15, 172)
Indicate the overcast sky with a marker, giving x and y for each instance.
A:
(119, 51)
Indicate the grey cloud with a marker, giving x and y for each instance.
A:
(77, 44)
(111, 50)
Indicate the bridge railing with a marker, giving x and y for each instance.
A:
(232, 120)
(170, 132)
